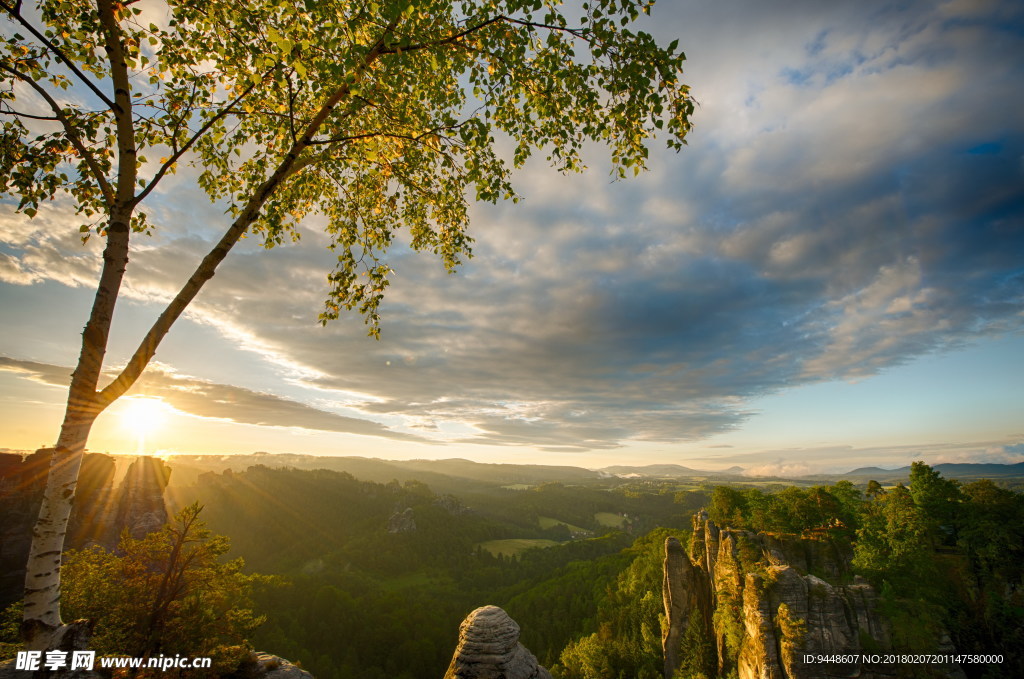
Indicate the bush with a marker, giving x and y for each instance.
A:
(167, 593)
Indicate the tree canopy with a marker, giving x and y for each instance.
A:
(375, 115)
(166, 593)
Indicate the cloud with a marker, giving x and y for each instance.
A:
(779, 469)
(850, 200)
(895, 316)
(42, 373)
(1000, 454)
(12, 271)
(220, 401)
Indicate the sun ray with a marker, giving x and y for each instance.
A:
(142, 416)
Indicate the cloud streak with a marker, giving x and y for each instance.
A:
(219, 401)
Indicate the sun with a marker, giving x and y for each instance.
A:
(143, 415)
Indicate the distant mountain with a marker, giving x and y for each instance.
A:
(875, 471)
(437, 473)
(949, 470)
(458, 476)
(652, 470)
(504, 474)
(443, 476)
(667, 470)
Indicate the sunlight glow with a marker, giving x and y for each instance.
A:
(142, 416)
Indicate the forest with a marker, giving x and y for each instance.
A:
(360, 579)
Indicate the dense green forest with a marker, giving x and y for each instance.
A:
(371, 580)
(591, 605)
(395, 598)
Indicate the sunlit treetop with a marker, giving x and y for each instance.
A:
(377, 115)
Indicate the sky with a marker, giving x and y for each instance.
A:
(830, 275)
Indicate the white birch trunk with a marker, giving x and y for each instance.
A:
(42, 578)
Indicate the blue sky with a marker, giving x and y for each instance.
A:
(829, 275)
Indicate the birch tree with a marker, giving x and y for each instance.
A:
(377, 115)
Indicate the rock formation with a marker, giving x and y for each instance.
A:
(402, 522)
(451, 504)
(22, 482)
(685, 592)
(757, 598)
(21, 491)
(94, 502)
(266, 666)
(489, 648)
(98, 516)
(141, 508)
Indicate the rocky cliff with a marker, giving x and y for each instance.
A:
(99, 514)
(403, 521)
(22, 482)
(489, 648)
(140, 504)
(20, 495)
(759, 604)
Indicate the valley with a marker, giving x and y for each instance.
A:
(376, 573)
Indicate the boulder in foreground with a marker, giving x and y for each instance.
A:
(489, 648)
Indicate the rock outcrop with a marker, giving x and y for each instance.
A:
(98, 515)
(452, 505)
(686, 595)
(757, 598)
(70, 637)
(22, 482)
(21, 492)
(402, 521)
(262, 665)
(489, 648)
(95, 501)
(141, 508)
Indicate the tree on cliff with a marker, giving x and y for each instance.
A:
(372, 114)
(628, 641)
(892, 543)
(166, 593)
(937, 498)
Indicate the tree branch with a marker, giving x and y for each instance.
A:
(127, 168)
(179, 152)
(371, 135)
(397, 48)
(70, 131)
(15, 12)
(206, 269)
(575, 32)
(12, 112)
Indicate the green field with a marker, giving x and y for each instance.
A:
(548, 522)
(515, 545)
(609, 520)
